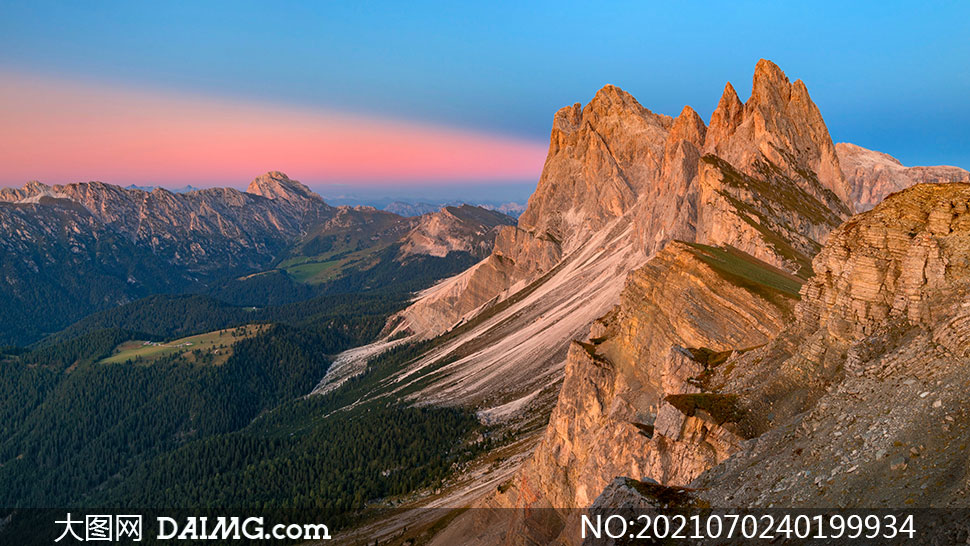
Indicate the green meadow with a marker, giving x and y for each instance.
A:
(217, 343)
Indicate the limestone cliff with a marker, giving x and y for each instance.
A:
(600, 158)
(778, 128)
(678, 314)
(764, 179)
(731, 219)
(632, 402)
(874, 175)
(866, 384)
(762, 399)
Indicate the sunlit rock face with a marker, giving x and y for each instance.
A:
(614, 164)
(867, 384)
(728, 218)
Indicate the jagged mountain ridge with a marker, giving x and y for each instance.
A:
(768, 210)
(619, 184)
(77, 248)
(614, 158)
(204, 230)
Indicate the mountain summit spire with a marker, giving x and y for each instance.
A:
(276, 185)
(779, 128)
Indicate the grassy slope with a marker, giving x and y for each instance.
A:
(186, 346)
(328, 266)
(748, 271)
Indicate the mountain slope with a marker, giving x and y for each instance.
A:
(874, 175)
(455, 229)
(59, 264)
(868, 380)
(78, 248)
(363, 249)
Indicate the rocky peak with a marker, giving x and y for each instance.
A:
(35, 186)
(601, 157)
(31, 190)
(465, 228)
(779, 129)
(564, 123)
(770, 85)
(688, 126)
(611, 100)
(726, 117)
(765, 186)
(857, 153)
(191, 228)
(276, 185)
(728, 239)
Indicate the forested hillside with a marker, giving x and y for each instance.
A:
(207, 424)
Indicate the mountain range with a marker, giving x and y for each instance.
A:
(77, 248)
(417, 209)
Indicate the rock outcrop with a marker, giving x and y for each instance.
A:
(634, 402)
(670, 179)
(600, 158)
(866, 384)
(703, 351)
(780, 129)
(681, 310)
(277, 186)
(619, 184)
(874, 175)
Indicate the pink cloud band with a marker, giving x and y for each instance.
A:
(61, 131)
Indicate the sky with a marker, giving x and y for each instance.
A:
(439, 94)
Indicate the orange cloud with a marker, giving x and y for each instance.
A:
(65, 131)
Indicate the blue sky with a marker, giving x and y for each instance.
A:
(893, 76)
